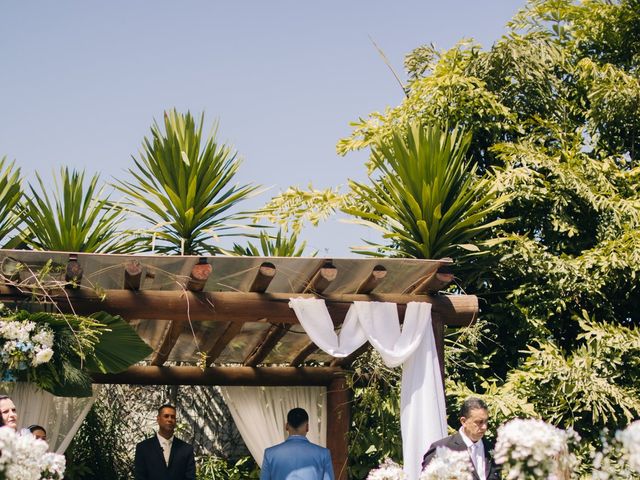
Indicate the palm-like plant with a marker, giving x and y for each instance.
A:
(279, 246)
(10, 195)
(75, 219)
(427, 200)
(182, 186)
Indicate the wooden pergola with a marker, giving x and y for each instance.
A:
(233, 314)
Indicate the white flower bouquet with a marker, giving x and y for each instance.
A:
(532, 449)
(629, 438)
(23, 457)
(448, 465)
(23, 345)
(388, 470)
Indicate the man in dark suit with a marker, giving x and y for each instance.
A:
(474, 419)
(297, 458)
(163, 456)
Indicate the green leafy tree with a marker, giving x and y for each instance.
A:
(282, 245)
(553, 110)
(78, 217)
(182, 188)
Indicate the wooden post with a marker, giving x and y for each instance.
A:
(338, 422)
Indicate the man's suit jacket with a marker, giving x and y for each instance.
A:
(296, 459)
(150, 464)
(455, 442)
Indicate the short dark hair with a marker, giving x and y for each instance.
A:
(33, 428)
(3, 397)
(166, 405)
(472, 403)
(297, 416)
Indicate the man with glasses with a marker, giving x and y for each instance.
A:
(474, 420)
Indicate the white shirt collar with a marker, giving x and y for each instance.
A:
(164, 441)
(467, 441)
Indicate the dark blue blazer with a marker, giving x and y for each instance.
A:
(150, 464)
(296, 459)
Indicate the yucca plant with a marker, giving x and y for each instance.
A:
(427, 201)
(182, 186)
(279, 246)
(77, 218)
(10, 195)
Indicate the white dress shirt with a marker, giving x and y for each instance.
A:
(165, 443)
(476, 452)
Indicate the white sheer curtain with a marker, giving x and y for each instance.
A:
(60, 416)
(260, 414)
(423, 415)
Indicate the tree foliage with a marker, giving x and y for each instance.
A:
(553, 109)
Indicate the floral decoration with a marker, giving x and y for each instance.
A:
(448, 464)
(388, 470)
(532, 449)
(24, 457)
(629, 438)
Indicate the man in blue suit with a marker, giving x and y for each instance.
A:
(297, 458)
(163, 456)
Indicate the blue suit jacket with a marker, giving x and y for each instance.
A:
(297, 459)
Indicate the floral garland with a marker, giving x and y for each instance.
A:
(24, 457)
(448, 465)
(388, 470)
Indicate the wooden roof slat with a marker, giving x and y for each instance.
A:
(345, 362)
(302, 355)
(435, 280)
(168, 342)
(233, 329)
(264, 346)
(263, 277)
(322, 278)
(248, 376)
(374, 279)
(199, 275)
(132, 275)
(73, 272)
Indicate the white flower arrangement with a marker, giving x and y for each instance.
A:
(532, 449)
(629, 438)
(24, 345)
(448, 464)
(388, 470)
(24, 457)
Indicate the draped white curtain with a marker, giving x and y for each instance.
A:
(422, 405)
(60, 416)
(260, 413)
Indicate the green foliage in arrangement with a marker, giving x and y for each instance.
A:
(78, 217)
(210, 467)
(553, 110)
(182, 187)
(76, 347)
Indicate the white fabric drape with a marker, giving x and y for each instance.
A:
(260, 413)
(60, 416)
(423, 415)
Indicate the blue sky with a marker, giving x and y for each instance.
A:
(82, 81)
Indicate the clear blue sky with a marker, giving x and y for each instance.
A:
(82, 81)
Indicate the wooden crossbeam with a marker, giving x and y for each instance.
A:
(265, 274)
(241, 376)
(322, 278)
(132, 275)
(455, 310)
(434, 280)
(264, 346)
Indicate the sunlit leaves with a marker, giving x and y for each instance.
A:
(10, 195)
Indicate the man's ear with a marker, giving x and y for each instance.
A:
(462, 420)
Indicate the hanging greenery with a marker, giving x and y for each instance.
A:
(59, 352)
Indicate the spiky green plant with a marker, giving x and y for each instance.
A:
(78, 217)
(279, 246)
(10, 195)
(182, 186)
(426, 201)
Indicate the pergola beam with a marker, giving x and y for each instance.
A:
(453, 310)
(235, 376)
